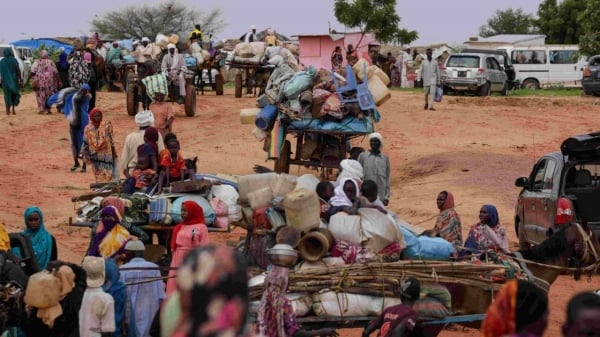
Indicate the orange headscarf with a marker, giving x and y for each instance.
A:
(449, 202)
(500, 316)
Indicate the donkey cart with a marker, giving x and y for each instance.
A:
(138, 92)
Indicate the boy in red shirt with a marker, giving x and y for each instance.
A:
(401, 319)
(172, 165)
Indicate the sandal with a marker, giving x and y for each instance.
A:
(74, 168)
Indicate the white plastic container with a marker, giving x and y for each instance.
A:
(259, 134)
(248, 116)
(260, 198)
(283, 184)
(253, 182)
(380, 91)
(302, 209)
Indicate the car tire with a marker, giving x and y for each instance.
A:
(504, 90)
(530, 84)
(485, 90)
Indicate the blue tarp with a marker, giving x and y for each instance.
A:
(36, 43)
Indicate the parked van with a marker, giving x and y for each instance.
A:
(538, 66)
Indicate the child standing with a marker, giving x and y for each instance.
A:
(97, 312)
(163, 114)
(172, 165)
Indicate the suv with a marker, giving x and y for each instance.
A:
(16, 55)
(562, 187)
(474, 72)
(590, 80)
(502, 58)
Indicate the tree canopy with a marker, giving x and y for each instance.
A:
(589, 40)
(374, 16)
(510, 21)
(560, 22)
(167, 17)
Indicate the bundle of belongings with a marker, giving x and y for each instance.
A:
(219, 203)
(323, 100)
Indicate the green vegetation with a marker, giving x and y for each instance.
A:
(555, 91)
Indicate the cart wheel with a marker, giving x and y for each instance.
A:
(238, 85)
(190, 100)
(132, 103)
(219, 84)
(282, 164)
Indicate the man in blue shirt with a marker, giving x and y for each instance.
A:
(145, 297)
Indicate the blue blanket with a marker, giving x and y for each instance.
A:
(348, 124)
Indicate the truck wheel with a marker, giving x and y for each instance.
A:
(219, 84)
(238, 85)
(485, 90)
(530, 84)
(190, 101)
(132, 103)
(504, 91)
(282, 164)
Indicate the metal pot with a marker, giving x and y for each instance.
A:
(282, 255)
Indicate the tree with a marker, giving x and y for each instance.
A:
(560, 22)
(589, 41)
(148, 20)
(509, 21)
(374, 16)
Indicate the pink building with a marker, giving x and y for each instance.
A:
(315, 50)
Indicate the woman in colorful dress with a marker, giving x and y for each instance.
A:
(98, 147)
(110, 236)
(447, 224)
(212, 296)
(488, 233)
(45, 75)
(42, 242)
(520, 309)
(79, 73)
(336, 59)
(189, 233)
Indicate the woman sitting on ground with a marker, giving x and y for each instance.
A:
(487, 234)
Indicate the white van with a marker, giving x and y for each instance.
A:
(538, 66)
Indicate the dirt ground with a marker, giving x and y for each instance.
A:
(474, 147)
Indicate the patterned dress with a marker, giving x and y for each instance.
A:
(448, 226)
(97, 150)
(46, 76)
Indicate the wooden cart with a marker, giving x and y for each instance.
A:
(252, 76)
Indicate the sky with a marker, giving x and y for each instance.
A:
(436, 21)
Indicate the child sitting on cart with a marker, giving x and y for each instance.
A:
(142, 178)
(172, 165)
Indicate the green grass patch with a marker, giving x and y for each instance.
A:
(554, 91)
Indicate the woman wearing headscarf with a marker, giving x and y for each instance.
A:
(42, 242)
(212, 296)
(111, 237)
(73, 285)
(488, 233)
(447, 224)
(520, 309)
(98, 147)
(62, 66)
(346, 197)
(45, 75)
(120, 206)
(189, 233)
(79, 73)
(88, 58)
(116, 288)
(10, 73)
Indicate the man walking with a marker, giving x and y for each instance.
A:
(430, 75)
(145, 295)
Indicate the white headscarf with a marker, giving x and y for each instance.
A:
(144, 118)
(376, 135)
(340, 198)
(351, 169)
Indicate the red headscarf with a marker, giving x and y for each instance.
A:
(195, 216)
(93, 112)
(449, 203)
